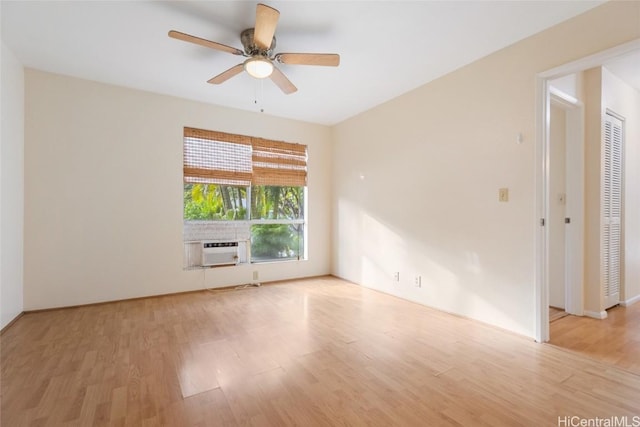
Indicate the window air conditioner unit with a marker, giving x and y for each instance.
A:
(219, 253)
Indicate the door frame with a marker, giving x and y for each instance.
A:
(541, 203)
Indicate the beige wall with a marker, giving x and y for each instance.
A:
(416, 179)
(11, 186)
(103, 190)
(593, 297)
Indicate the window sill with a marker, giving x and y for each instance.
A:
(207, 267)
(275, 261)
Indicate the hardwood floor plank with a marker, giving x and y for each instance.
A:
(196, 371)
(614, 340)
(317, 352)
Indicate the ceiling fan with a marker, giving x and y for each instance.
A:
(259, 43)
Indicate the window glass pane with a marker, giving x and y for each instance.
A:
(214, 202)
(276, 242)
(275, 202)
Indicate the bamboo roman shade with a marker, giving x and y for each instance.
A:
(279, 163)
(222, 158)
(216, 158)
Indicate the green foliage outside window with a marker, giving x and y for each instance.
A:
(276, 241)
(274, 202)
(214, 202)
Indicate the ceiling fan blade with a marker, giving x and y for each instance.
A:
(226, 75)
(266, 22)
(203, 42)
(326, 59)
(282, 81)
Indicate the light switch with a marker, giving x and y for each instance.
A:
(503, 195)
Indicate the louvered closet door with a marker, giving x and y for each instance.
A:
(612, 211)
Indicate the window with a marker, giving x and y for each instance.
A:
(244, 185)
(277, 229)
(212, 202)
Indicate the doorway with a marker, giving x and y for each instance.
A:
(552, 204)
(565, 200)
(557, 211)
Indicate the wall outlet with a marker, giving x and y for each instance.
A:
(255, 275)
(396, 276)
(418, 281)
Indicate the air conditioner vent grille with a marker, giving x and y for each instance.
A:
(219, 253)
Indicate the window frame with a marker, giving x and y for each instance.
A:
(294, 168)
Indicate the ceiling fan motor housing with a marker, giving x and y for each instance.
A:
(250, 48)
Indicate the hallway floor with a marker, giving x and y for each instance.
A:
(614, 340)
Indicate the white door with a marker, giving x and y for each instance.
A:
(565, 203)
(611, 246)
(557, 202)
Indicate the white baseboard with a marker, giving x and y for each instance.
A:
(630, 301)
(11, 322)
(596, 314)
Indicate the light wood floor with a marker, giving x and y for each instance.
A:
(614, 340)
(556, 313)
(318, 352)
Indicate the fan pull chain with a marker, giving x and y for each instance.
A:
(255, 93)
(262, 94)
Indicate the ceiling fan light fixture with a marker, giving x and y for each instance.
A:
(259, 43)
(258, 67)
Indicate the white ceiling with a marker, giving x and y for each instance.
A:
(387, 47)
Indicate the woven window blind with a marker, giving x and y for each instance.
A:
(279, 163)
(216, 158)
(221, 158)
